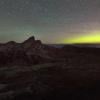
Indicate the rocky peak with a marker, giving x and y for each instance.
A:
(29, 52)
(30, 40)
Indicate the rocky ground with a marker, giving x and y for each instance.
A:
(35, 71)
(50, 81)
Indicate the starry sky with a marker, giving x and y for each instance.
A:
(52, 21)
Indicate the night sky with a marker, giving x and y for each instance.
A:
(52, 21)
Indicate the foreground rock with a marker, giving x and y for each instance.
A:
(54, 80)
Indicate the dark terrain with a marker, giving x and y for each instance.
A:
(35, 71)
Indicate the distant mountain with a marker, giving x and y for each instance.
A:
(95, 45)
(57, 45)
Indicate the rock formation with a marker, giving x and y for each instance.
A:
(29, 52)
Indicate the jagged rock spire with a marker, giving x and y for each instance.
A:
(31, 39)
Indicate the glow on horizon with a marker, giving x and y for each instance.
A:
(87, 38)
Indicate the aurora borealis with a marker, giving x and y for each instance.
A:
(92, 38)
(52, 21)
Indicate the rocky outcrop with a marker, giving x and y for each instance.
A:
(33, 51)
(29, 52)
(77, 76)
